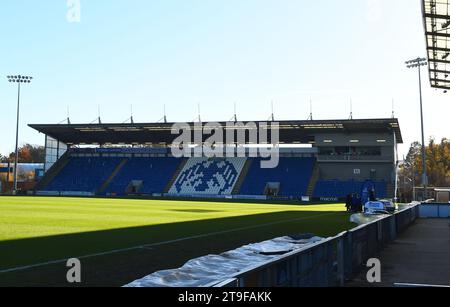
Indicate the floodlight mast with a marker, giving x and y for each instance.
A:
(419, 62)
(17, 79)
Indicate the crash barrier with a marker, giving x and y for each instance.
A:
(434, 210)
(330, 262)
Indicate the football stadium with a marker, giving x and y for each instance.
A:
(139, 185)
(230, 204)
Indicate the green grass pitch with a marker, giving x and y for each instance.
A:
(35, 230)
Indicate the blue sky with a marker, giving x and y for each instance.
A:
(182, 53)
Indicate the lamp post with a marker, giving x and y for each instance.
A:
(414, 182)
(419, 62)
(412, 178)
(19, 80)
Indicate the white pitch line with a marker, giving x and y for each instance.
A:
(115, 251)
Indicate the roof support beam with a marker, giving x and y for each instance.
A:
(438, 49)
(436, 16)
(439, 61)
(440, 86)
(439, 71)
(438, 34)
(440, 81)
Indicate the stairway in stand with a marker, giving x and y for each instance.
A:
(53, 172)
(175, 176)
(241, 179)
(313, 181)
(105, 185)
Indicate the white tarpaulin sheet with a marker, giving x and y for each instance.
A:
(205, 270)
(361, 218)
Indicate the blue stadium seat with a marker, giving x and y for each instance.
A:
(340, 189)
(200, 176)
(83, 174)
(155, 173)
(203, 176)
(87, 174)
(293, 174)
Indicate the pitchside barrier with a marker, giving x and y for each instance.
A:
(64, 193)
(434, 210)
(330, 262)
(215, 196)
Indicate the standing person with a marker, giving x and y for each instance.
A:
(355, 202)
(348, 202)
(359, 203)
(372, 194)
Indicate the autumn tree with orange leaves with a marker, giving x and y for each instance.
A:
(437, 163)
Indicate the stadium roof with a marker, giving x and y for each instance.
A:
(436, 16)
(291, 132)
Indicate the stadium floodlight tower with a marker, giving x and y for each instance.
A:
(19, 80)
(418, 63)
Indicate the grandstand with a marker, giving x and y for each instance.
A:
(338, 157)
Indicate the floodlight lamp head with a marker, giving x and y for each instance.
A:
(20, 79)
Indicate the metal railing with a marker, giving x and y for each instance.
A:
(330, 262)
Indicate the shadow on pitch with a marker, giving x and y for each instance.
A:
(23, 252)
